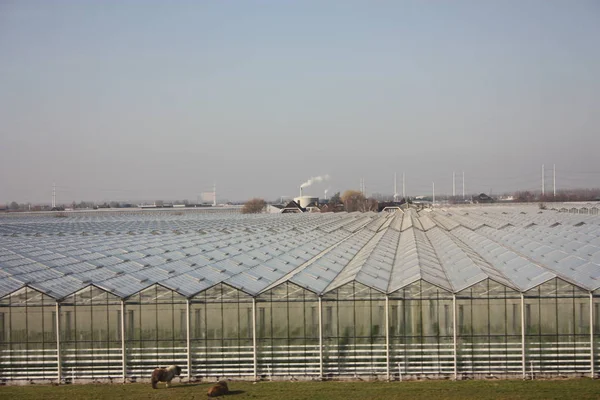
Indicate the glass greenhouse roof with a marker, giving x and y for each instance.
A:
(453, 248)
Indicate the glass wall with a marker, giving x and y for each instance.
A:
(156, 331)
(221, 333)
(557, 329)
(354, 331)
(28, 336)
(421, 333)
(288, 331)
(489, 329)
(90, 335)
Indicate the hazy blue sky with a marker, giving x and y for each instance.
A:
(156, 100)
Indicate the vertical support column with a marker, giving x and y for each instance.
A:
(591, 335)
(387, 336)
(454, 336)
(254, 349)
(320, 338)
(523, 360)
(58, 356)
(188, 339)
(123, 351)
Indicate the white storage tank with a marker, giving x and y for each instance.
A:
(303, 201)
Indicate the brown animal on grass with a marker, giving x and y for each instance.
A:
(218, 390)
(165, 375)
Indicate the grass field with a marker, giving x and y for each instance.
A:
(431, 390)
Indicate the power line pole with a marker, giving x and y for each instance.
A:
(395, 188)
(453, 184)
(463, 185)
(554, 178)
(215, 194)
(433, 190)
(53, 195)
(543, 188)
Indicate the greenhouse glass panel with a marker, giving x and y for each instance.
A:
(288, 332)
(91, 335)
(28, 336)
(354, 331)
(221, 332)
(156, 331)
(555, 329)
(489, 330)
(421, 331)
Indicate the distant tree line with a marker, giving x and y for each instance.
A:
(561, 196)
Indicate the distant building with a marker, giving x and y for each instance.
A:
(289, 208)
(482, 198)
(390, 206)
(329, 207)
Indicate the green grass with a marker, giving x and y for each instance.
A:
(430, 390)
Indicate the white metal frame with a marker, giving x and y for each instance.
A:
(454, 336)
(387, 337)
(254, 347)
(58, 356)
(320, 337)
(523, 347)
(188, 340)
(123, 347)
(592, 372)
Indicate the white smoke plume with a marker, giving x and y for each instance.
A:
(315, 179)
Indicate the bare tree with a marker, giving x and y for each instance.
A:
(254, 206)
(355, 201)
(335, 199)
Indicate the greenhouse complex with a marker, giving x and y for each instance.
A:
(454, 292)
